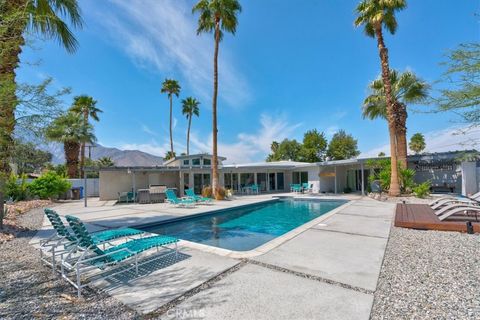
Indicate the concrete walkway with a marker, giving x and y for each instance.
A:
(329, 271)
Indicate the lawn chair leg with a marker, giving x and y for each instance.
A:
(176, 251)
(136, 265)
(79, 285)
(54, 262)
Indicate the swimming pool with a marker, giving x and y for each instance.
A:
(247, 227)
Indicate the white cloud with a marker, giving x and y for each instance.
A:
(147, 129)
(250, 146)
(449, 139)
(162, 35)
(331, 130)
(339, 115)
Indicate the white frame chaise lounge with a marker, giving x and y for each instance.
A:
(473, 197)
(455, 211)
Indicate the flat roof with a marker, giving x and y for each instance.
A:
(286, 165)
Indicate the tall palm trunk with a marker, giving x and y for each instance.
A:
(82, 150)
(71, 157)
(171, 119)
(188, 133)
(10, 48)
(214, 109)
(391, 112)
(401, 129)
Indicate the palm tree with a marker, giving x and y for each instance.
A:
(190, 108)
(70, 130)
(216, 16)
(406, 88)
(17, 16)
(105, 162)
(171, 87)
(85, 106)
(374, 15)
(42, 17)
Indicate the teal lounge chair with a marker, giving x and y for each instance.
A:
(183, 202)
(191, 194)
(63, 238)
(306, 187)
(88, 257)
(296, 188)
(255, 188)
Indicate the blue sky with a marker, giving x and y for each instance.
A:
(292, 66)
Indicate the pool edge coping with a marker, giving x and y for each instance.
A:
(270, 245)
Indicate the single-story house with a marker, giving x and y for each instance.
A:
(445, 171)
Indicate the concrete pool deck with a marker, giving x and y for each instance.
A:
(328, 271)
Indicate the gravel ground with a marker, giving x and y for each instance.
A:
(29, 290)
(429, 275)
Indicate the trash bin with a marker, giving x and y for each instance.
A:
(81, 192)
(76, 193)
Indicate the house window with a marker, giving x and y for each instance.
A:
(207, 162)
(196, 162)
(186, 162)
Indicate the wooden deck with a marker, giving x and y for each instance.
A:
(421, 216)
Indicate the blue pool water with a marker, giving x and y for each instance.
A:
(245, 228)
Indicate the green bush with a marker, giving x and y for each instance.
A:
(49, 185)
(382, 173)
(422, 190)
(347, 190)
(407, 181)
(17, 191)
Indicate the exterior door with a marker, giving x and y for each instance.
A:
(197, 183)
(271, 181)
(262, 181)
(280, 181)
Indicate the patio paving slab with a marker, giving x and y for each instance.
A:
(255, 292)
(346, 258)
(361, 225)
(165, 279)
(381, 211)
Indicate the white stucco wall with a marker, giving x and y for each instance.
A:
(469, 178)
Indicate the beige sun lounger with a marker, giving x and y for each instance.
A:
(441, 211)
(458, 210)
(474, 197)
(449, 202)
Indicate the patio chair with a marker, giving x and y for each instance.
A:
(127, 197)
(190, 193)
(89, 257)
(297, 188)
(255, 188)
(459, 210)
(63, 238)
(179, 202)
(307, 187)
(475, 197)
(447, 208)
(448, 202)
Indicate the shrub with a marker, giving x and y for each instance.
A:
(382, 173)
(422, 190)
(220, 193)
(347, 190)
(49, 185)
(17, 191)
(207, 192)
(407, 179)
